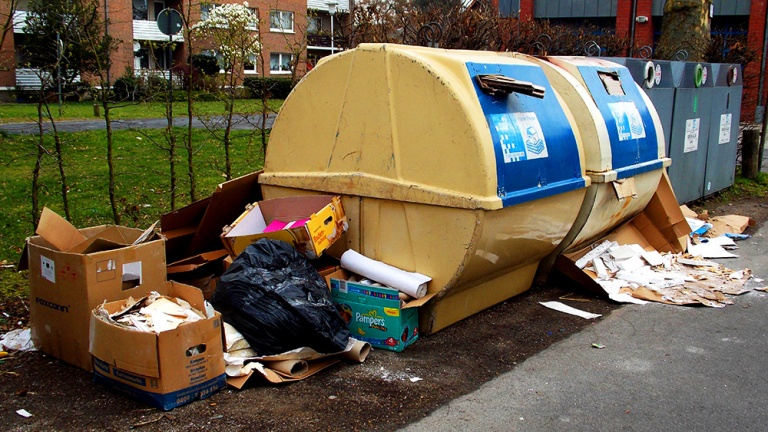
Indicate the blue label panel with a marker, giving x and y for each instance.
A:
(536, 151)
(634, 143)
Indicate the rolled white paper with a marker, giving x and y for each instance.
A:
(411, 283)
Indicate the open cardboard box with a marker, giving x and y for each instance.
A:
(72, 271)
(375, 315)
(194, 250)
(165, 370)
(661, 226)
(321, 222)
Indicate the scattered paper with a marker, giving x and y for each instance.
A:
(560, 307)
(709, 250)
(416, 379)
(17, 340)
(23, 413)
(153, 313)
(598, 345)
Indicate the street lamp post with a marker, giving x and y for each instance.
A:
(332, 10)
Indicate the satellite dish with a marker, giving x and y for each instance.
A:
(169, 21)
(136, 46)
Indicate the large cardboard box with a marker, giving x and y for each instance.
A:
(375, 314)
(165, 370)
(72, 271)
(321, 221)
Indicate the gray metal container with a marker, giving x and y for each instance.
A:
(691, 118)
(724, 127)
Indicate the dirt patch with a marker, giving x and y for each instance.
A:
(375, 395)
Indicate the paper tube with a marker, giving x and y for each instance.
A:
(292, 368)
(413, 284)
(358, 352)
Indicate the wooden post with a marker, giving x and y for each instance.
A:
(750, 157)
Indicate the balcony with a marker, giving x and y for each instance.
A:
(322, 42)
(148, 31)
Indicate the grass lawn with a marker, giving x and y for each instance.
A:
(142, 183)
(27, 112)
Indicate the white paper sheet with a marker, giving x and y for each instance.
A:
(560, 307)
(413, 284)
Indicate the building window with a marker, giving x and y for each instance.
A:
(314, 25)
(281, 21)
(205, 11)
(158, 7)
(249, 67)
(217, 55)
(140, 10)
(280, 63)
(253, 25)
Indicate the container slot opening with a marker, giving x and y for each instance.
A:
(611, 83)
(500, 85)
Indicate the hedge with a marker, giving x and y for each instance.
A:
(276, 88)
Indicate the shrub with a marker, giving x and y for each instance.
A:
(206, 64)
(268, 87)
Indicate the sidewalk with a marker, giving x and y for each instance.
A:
(663, 368)
(240, 123)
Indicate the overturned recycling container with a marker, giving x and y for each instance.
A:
(463, 166)
(623, 143)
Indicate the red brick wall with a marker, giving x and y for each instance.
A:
(526, 9)
(7, 58)
(752, 72)
(120, 14)
(643, 31)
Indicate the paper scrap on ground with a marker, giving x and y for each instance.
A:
(23, 413)
(416, 379)
(708, 250)
(413, 284)
(560, 307)
(17, 340)
(675, 279)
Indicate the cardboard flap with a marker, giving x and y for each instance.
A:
(197, 261)
(274, 377)
(58, 231)
(226, 204)
(136, 351)
(418, 302)
(292, 208)
(95, 244)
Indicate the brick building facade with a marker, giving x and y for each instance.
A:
(283, 27)
(729, 17)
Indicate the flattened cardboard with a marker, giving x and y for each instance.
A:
(166, 370)
(661, 226)
(65, 286)
(327, 222)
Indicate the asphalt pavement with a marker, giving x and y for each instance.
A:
(240, 123)
(663, 368)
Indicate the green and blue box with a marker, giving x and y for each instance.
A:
(375, 314)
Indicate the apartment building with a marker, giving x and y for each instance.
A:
(287, 28)
(641, 21)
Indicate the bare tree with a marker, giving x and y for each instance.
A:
(232, 29)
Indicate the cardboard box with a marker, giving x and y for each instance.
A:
(661, 226)
(375, 314)
(193, 249)
(322, 222)
(72, 271)
(165, 370)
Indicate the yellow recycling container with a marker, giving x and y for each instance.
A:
(464, 166)
(623, 143)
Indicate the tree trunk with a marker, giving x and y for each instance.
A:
(36, 169)
(110, 158)
(59, 148)
(685, 29)
(228, 129)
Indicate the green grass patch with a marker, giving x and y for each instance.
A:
(743, 189)
(27, 112)
(142, 182)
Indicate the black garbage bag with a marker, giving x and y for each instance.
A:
(277, 300)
